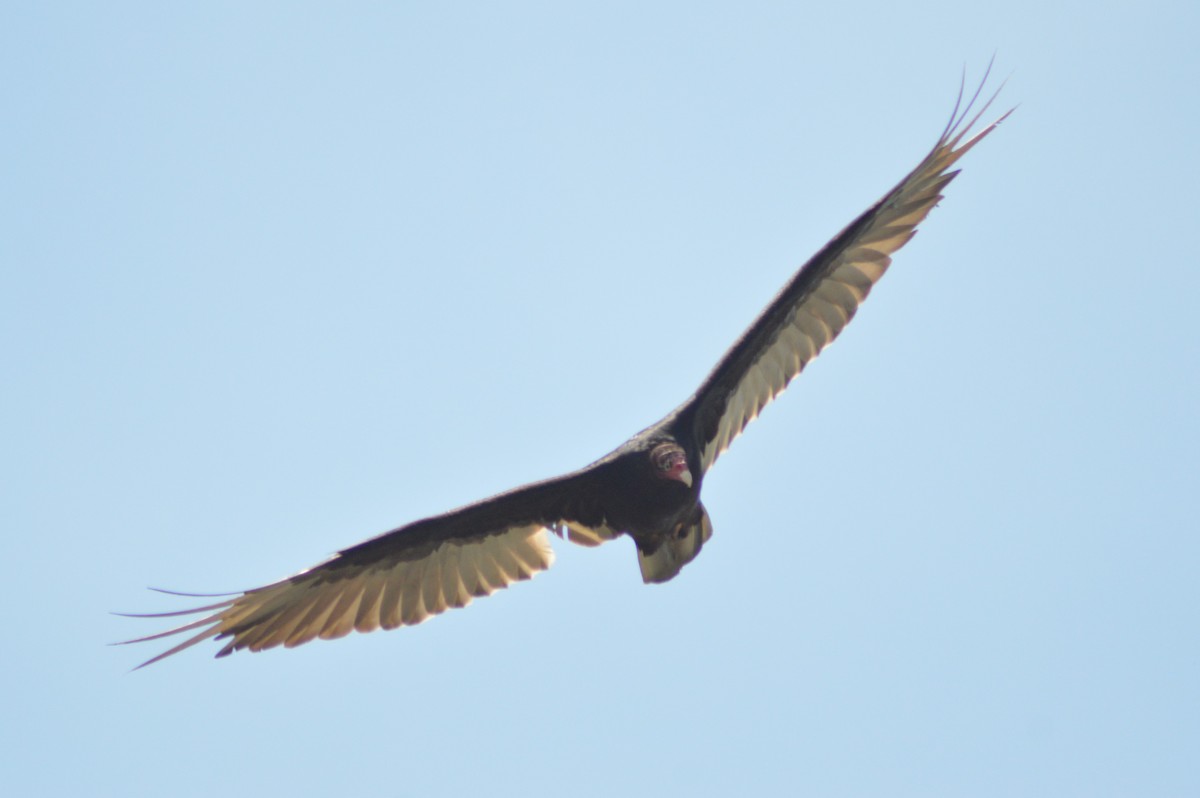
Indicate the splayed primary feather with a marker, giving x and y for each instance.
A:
(420, 570)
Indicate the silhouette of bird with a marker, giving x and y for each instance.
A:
(648, 488)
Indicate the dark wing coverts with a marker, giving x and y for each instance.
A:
(819, 301)
(422, 569)
(405, 576)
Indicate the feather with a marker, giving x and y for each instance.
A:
(419, 570)
(821, 299)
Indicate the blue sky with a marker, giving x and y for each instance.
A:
(276, 279)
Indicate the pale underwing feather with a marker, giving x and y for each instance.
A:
(431, 588)
(824, 296)
(341, 618)
(324, 603)
(367, 617)
(413, 610)
(452, 583)
(393, 595)
(405, 576)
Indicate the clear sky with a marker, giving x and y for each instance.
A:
(277, 277)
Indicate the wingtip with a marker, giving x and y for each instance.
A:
(959, 127)
(194, 595)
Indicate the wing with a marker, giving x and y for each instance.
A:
(409, 574)
(821, 299)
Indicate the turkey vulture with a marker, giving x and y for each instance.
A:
(648, 488)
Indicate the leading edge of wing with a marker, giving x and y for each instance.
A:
(405, 576)
(819, 301)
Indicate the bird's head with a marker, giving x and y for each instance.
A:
(670, 462)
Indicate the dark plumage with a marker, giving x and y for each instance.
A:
(648, 488)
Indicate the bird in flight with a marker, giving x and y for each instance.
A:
(648, 488)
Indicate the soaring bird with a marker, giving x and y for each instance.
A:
(648, 488)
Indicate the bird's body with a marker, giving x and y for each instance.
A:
(648, 488)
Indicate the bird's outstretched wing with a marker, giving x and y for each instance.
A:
(821, 299)
(422, 569)
(409, 574)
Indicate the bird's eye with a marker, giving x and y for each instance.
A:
(667, 457)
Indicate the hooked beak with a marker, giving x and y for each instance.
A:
(684, 475)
